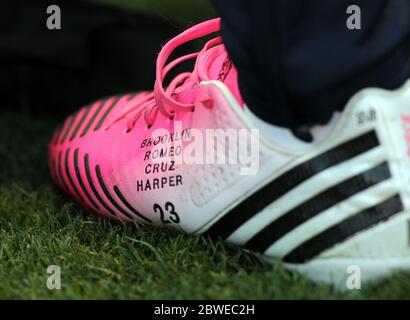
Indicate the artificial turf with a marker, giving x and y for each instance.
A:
(40, 226)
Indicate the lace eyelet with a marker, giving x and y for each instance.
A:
(149, 126)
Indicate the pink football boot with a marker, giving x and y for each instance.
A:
(193, 157)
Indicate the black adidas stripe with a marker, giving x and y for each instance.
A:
(93, 117)
(319, 203)
(60, 172)
(107, 112)
(80, 180)
(107, 193)
(70, 179)
(128, 205)
(289, 180)
(93, 188)
(65, 126)
(345, 229)
(71, 120)
(80, 123)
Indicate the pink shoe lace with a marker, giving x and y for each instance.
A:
(149, 103)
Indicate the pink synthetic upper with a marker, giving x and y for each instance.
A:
(81, 152)
(212, 63)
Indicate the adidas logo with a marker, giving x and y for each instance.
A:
(270, 232)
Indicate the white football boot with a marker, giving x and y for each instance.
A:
(194, 158)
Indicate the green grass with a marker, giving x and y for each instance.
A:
(39, 226)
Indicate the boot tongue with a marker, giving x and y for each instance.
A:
(215, 64)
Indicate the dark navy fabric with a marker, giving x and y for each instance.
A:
(298, 61)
